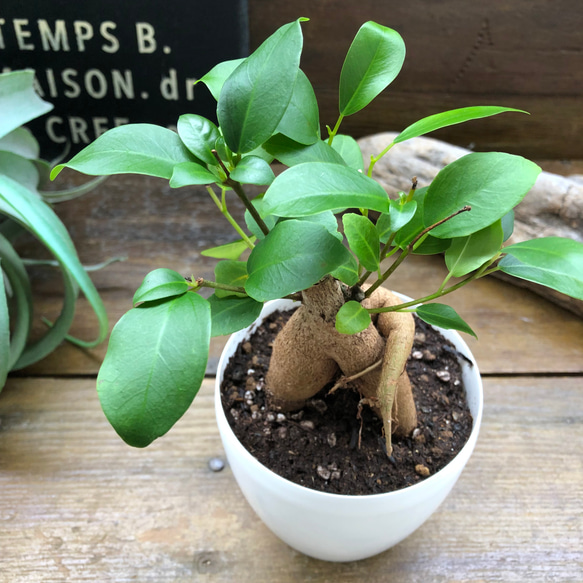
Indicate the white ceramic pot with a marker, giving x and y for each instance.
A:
(335, 527)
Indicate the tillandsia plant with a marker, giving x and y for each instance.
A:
(347, 324)
(25, 206)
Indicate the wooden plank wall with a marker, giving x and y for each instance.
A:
(526, 54)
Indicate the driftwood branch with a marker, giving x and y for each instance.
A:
(554, 206)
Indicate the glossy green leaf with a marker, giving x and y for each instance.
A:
(431, 246)
(232, 250)
(134, 148)
(253, 170)
(363, 239)
(4, 332)
(352, 318)
(199, 135)
(254, 98)
(28, 210)
(449, 118)
(347, 272)
(443, 316)
(230, 273)
(312, 188)
(190, 174)
(17, 95)
(397, 217)
(301, 120)
(216, 77)
(160, 284)
(554, 262)
(20, 141)
(154, 366)
(374, 59)
(491, 183)
(20, 169)
(415, 225)
(328, 220)
(508, 225)
(350, 151)
(293, 153)
(294, 256)
(465, 254)
(232, 314)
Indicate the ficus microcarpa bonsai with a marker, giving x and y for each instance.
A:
(348, 325)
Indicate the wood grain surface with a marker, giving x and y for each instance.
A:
(79, 505)
(525, 54)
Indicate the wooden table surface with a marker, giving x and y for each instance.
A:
(77, 504)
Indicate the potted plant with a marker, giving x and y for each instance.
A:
(25, 207)
(291, 247)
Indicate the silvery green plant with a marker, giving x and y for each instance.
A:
(266, 111)
(25, 206)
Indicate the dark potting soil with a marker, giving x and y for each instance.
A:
(329, 445)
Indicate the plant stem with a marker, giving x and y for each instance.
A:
(410, 247)
(201, 282)
(236, 186)
(223, 208)
(375, 159)
(333, 133)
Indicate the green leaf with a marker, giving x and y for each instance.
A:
(216, 77)
(397, 217)
(4, 332)
(293, 153)
(252, 225)
(352, 318)
(134, 148)
(415, 225)
(301, 120)
(328, 220)
(431, 246)
(20, 169)
(468, 253)
(347, 272)
(22, 308)
(160, 284)
(20, 141)
(253, 170)
(491, 183)
(53, 196)
(230, 273)
(294, 256)
(350, 151)
(443, 316)
(374, 59)
(363, 239)
(554, 262)
(154, 366)
(199, 135)
(449, 118)
(508, 224)
(189, 174)
(256, 95)
(18, 97)
(232, 314)
(314, 187)
(28, 210)
(232, 250)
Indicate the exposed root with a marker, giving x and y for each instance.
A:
(309, 353)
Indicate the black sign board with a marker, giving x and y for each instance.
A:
(103, 63)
